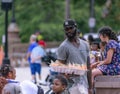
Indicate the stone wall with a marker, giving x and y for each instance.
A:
(17, 50)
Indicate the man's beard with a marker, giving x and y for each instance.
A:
(71, 35)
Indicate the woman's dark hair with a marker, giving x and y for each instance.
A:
(107, 31)
(62, 79)
(5, 69)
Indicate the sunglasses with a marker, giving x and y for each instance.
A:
(68, 28)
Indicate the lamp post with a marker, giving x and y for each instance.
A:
(6, 5)
(13, 27)
(91, 21)
(67, 9)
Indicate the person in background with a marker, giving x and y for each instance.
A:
(11, 89)
(8, 71)
(111, 63)
(36, 59)
(94, 52)
(102, 48)
(30, 88)
(12, 86)
(42, 43)
(80, 35)
(73, 50)
(90, 39)
(95, 46)
(39, 36)
(32, 44)
(1, 55)
(3, 82)
(60, 85)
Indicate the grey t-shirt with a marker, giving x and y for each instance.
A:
(71, 54)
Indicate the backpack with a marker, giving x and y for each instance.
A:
(40, 90)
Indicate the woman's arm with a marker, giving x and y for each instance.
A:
(109, 57)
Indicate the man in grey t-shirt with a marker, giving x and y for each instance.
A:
(73, 49)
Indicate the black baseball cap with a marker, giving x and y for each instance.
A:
(69, 23)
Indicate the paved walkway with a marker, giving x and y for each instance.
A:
(23, 73)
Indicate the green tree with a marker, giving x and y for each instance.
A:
(48, 17)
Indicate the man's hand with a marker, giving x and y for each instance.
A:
(32, 60)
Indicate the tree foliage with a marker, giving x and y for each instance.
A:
(48, 16)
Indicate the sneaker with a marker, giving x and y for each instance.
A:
(33, 81)
(42, 83)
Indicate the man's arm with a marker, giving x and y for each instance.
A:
(89, 74)
(36, 58)
(60, 61)
(28, 55)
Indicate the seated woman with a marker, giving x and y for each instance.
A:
(111, 63)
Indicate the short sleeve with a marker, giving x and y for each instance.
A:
(29, 49)
(111, 44)
(31, 46)
(62, 53)
(42, 52)
(87, 48)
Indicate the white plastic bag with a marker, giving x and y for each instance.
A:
(78, 89)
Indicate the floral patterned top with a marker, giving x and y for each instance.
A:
(114, 67)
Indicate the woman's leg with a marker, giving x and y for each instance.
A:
(95, 72)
